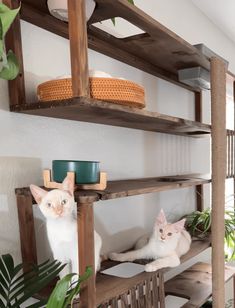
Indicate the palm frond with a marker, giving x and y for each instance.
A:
(16, 287)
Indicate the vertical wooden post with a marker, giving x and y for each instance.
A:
(26, 225)
(229, 154)
(218, 117)
(234, 155)
(198, 106)
(198, 117)
(13, 42)
(199, 197)
(86, 252)
(161, 289)
(78, 47)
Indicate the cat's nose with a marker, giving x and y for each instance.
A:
(59, 210)
(162, 238)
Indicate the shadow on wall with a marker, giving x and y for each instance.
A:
(14, 172)
(121, 240)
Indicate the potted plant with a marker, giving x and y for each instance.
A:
(9, 67)
(16, 286)
(199, 225)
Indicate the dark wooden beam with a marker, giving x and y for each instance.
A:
(86, 253)
(13, 42)
(26, 226)
(78, 47)
(198, 118)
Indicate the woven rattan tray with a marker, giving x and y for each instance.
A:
(112, 90)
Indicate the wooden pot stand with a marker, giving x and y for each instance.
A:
(48, 183)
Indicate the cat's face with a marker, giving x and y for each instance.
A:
(55, 203)
(167, 231)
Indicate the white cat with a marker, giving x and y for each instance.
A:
(166, 245)
(59, 208)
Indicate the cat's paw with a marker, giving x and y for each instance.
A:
(115, 256)
(150, 268)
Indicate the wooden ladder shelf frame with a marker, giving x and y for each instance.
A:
(79, 70)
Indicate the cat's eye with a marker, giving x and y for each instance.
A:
(48, 204)
(63, 202)
(169, 234)
(160, 230)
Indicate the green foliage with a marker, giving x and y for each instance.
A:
(16, 287)
(199, 224)
(113, 19)
(9, 67)
(66, 290)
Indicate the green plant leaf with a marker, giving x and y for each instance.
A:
(113, 21)
(9, 263)
(3, 270)
(16, 290)
(27, 275)
(3, 292)
(1, 32)
(12, 70)
(58, 296)
(7, 16)
(77, 287)
(3, 281)
(35, 279)
(38, 285)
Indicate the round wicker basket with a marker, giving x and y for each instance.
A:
(111, 90)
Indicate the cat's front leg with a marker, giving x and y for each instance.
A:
(131, 255)
(170, 261)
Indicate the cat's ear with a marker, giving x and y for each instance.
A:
(161, 219)
(68, 184)
(179, 225)
(38, 193)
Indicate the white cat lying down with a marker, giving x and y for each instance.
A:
(59, 208)
(166, 245)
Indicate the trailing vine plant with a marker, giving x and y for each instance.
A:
(9, 66)
(113, 19)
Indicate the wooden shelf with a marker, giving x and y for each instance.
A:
(133, 187)
(195, 284)
(173, 53)
(90, 110)
(126, 188)
(110, 286)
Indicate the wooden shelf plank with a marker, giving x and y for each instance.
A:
(94, 111)
(195, 284)
(173, 53)
(110, 286)
(125, 188)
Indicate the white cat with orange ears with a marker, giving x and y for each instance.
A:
(59, 208)
(168, 242)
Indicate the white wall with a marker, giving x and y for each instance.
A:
(124, 153)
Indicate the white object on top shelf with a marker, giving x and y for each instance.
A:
(59, 8)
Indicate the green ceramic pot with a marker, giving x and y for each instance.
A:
(86, 172)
